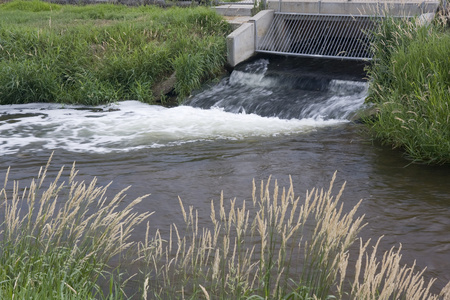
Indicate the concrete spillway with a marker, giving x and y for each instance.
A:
(331, 28)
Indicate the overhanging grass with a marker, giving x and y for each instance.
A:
(96, 54)
(410, 88)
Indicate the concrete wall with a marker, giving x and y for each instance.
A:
(262, 22)
(349, 7)
(241, 43)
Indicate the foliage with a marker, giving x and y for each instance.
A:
(97, 54)
(410, 89)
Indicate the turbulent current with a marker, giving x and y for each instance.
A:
(253, 102)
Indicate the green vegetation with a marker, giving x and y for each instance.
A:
(97, 54)
(410, 89)
(60, 239)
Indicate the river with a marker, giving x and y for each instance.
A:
(272, 116)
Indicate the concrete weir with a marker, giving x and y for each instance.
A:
(251, 36)
(241, 43)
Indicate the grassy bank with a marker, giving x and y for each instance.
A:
(96, 54)
(410, 89)
(59, 237)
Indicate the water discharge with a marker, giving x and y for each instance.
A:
(276, 117)
(249, 103)
(131, 125)
(284, 94)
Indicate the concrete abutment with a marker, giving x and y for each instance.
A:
(241, 43)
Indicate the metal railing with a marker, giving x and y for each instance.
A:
(327, 36)
(331, 28)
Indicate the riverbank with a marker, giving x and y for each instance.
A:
(410, 89)
(97, 54)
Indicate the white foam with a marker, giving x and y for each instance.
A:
(131, 125)
(347, 98)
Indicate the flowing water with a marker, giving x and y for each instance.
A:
(272, 116)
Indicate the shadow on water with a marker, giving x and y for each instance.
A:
(197, 151)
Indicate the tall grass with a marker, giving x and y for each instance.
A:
(58, 237)
(97, 54)
(410, 89)
(280, 247)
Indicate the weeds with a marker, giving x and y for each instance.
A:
(97, 54)
(278, 248)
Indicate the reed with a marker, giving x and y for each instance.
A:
(387, 278)
(280, 247)
(410, 88)
(58, 237)
(96, 54)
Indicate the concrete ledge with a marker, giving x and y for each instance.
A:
(236, 22)
(262, 21)
(234, 10)
(355, 7)
(241, 44)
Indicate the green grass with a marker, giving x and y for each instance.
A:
(30, 6)
(410, 89)
(97, 54)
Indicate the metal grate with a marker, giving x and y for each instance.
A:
(313, 35)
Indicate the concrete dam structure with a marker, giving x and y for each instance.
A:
(326, 28)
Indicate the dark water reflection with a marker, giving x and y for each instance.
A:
(408, 204)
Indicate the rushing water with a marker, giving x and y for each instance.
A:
(276, 117)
